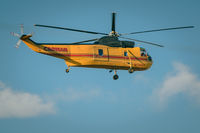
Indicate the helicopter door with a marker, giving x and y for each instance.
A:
(128, 57)
(101, 54)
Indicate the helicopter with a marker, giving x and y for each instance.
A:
(107, 52)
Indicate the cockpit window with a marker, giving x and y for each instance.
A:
(143, 52)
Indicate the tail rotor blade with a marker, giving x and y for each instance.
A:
(15, 34)
(22, 29)
(18, 44)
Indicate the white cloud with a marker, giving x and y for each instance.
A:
(22, 104)
(180, 81)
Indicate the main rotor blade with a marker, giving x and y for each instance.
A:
(86, 41)
(174, 28)
(113, 21)
(55, 27)
(143, 41)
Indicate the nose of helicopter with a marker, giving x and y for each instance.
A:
(149, 58)
(149, 62)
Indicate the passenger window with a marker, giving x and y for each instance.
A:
(101, 52)
(125, 54)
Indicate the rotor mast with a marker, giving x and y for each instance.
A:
(113, 32)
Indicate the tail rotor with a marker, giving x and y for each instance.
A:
(19, 35)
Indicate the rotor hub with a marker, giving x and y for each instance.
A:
(114, 33)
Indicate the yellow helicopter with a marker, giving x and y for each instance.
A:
(107, 52)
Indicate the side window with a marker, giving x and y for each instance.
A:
(125, 54)
(100, 52)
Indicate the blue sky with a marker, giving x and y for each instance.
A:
(36, 95)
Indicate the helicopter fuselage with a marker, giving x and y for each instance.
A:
(94, 55)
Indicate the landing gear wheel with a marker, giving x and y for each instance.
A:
(115, 77)
(67, 70)
(130, 70)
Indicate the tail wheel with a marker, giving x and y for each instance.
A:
(67, 70)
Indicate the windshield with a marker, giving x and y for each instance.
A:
(143, 52)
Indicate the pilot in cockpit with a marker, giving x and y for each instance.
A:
(143, 52)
